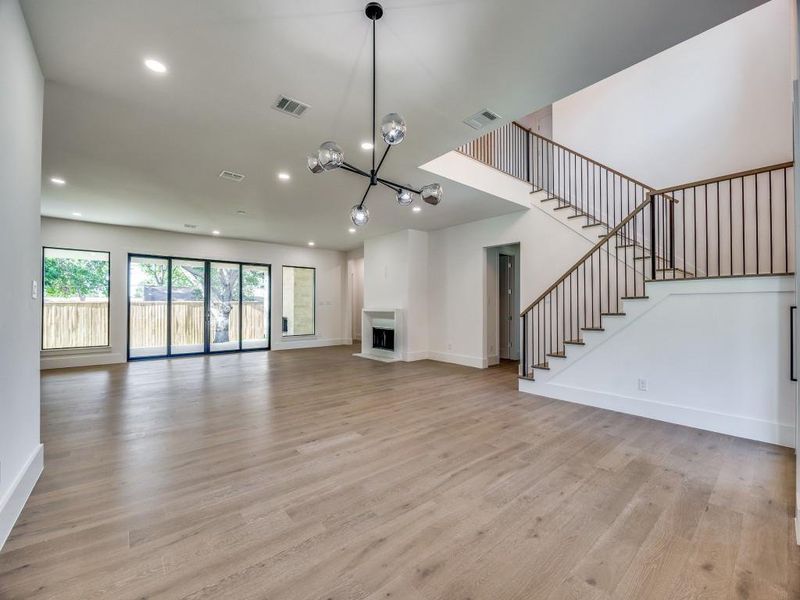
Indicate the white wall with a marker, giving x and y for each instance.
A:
(714, 354)
(715, 104)
(331, 323)
(458, 279)
(396, 276)
(355, 268)
(21, 93)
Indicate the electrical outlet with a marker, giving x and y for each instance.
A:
(642, 385)
(34, 289)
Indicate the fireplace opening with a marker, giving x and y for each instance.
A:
(383, 338)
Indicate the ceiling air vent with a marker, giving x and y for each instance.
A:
(231, 176)
(481, 118)
(290, 106)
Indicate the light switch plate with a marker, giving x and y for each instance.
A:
(34, 289)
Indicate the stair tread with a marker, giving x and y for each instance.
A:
(557, 354)
(595, 224)
(526, 377)
(635, 297)
(592, 329)
(578, 215)
(612, 314)
(549, 199)
(575, 342)
(544, 366)
(562, 207)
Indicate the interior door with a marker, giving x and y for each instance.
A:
(506, 305)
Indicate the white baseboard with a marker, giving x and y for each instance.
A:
(419, 355)
(14, 500)
(477, 362)
(744, 427)
(311, 342)
(83, 359)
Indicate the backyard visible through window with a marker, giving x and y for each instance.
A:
(74, 298)
(209, 306)
(298, 300)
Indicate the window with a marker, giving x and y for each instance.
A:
(298, 300)
(75, 287)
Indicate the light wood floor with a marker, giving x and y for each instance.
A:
(315, 475)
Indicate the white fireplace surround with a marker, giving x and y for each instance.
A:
(387, 318)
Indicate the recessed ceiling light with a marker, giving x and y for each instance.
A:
(241, 212)
(58, 180)
(310, 243)
(77, 214)
(156, 66)
(215, 232)
(416, 209)
(367, 146)
(352, 230)
(284, 176)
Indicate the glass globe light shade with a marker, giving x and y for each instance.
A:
(432, 193)
(359, 215)
(393, 129)
(313, 164)
(404, 197)
(330, 156)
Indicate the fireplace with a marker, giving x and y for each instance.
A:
(383, 338)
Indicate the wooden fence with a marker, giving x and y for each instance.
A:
(76, 324)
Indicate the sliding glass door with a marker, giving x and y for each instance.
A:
(255, 306)
(180, 306)
(187, 306)
(148, 279)
(225, 301)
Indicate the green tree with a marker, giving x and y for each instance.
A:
(70, 277)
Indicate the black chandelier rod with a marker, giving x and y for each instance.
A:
(374, 118)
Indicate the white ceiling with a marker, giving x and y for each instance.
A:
(145, 150)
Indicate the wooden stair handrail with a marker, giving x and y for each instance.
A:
(652, 194)
(739, 175)
(594, 248)
(583, 156)
(591, 160)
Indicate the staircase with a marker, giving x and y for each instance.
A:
(735, 225)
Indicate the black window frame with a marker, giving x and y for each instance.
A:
(42, 296)
(313, 305)
(206, 306)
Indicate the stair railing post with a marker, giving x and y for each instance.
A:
(672, 233)
(528, 177)
(524, 345)
(652, 200)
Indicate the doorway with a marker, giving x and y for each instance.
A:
(185, 306)
(502, 304)
(506, 345)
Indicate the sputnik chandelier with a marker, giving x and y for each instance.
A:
(393, 130)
